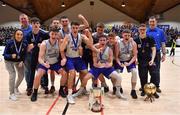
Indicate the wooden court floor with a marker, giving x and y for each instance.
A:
(167, 104)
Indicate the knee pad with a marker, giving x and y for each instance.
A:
(134, 75)
(117, 77)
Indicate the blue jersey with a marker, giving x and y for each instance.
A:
(26, 31)
(158, 35)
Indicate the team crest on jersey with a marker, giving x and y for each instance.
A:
(139, 45)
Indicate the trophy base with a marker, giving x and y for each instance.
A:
(150, 97)
(97, 111)
(96, 100)
(97, 107)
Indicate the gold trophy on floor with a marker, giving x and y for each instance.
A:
(96, 99)
(150, 90)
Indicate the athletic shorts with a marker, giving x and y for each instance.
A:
(55, 67)
(105, 71)
(75, 63)
(120, 69)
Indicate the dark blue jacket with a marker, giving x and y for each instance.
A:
(38, 38)
(11, 49)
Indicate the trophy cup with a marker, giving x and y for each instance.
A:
(150, 90)
(96, 99)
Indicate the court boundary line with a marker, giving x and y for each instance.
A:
(52, 105)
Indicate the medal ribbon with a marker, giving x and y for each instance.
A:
(18, 50)
(35, 38)
(142, 44)
(75, 42)
(102, 53)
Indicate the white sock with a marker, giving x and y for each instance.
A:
(69, 91)
(52, 83)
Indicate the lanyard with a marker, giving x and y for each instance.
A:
(34, 39)
(18, 50)
(142, 44)
(75, 42)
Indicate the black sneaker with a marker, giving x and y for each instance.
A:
(43, 87)
(106, 89)
(143, 93)
(34, 97)
(94, 85)
(140, 89)
(46, 90)
(121, 90)
(114, 90)
(62, 93)
(29, 91)
(156, 95)
(133, 94)
(158, 90)
(52, 90)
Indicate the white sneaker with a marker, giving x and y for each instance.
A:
(13, 97)
(119, 95)
(17, 92)
(70, 99)
(80, 92)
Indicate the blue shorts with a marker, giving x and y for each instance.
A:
(75, 63)
(55, 67)
(97, 71)
(118, 67)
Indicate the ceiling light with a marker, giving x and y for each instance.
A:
(63, 5)
(3, 4)
(123, 4)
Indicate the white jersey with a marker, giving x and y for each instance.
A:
(52, 52)
(73, 45)
(103, 56)
(63, 33)
(95, 36)
(125, 51)
(112, 48)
